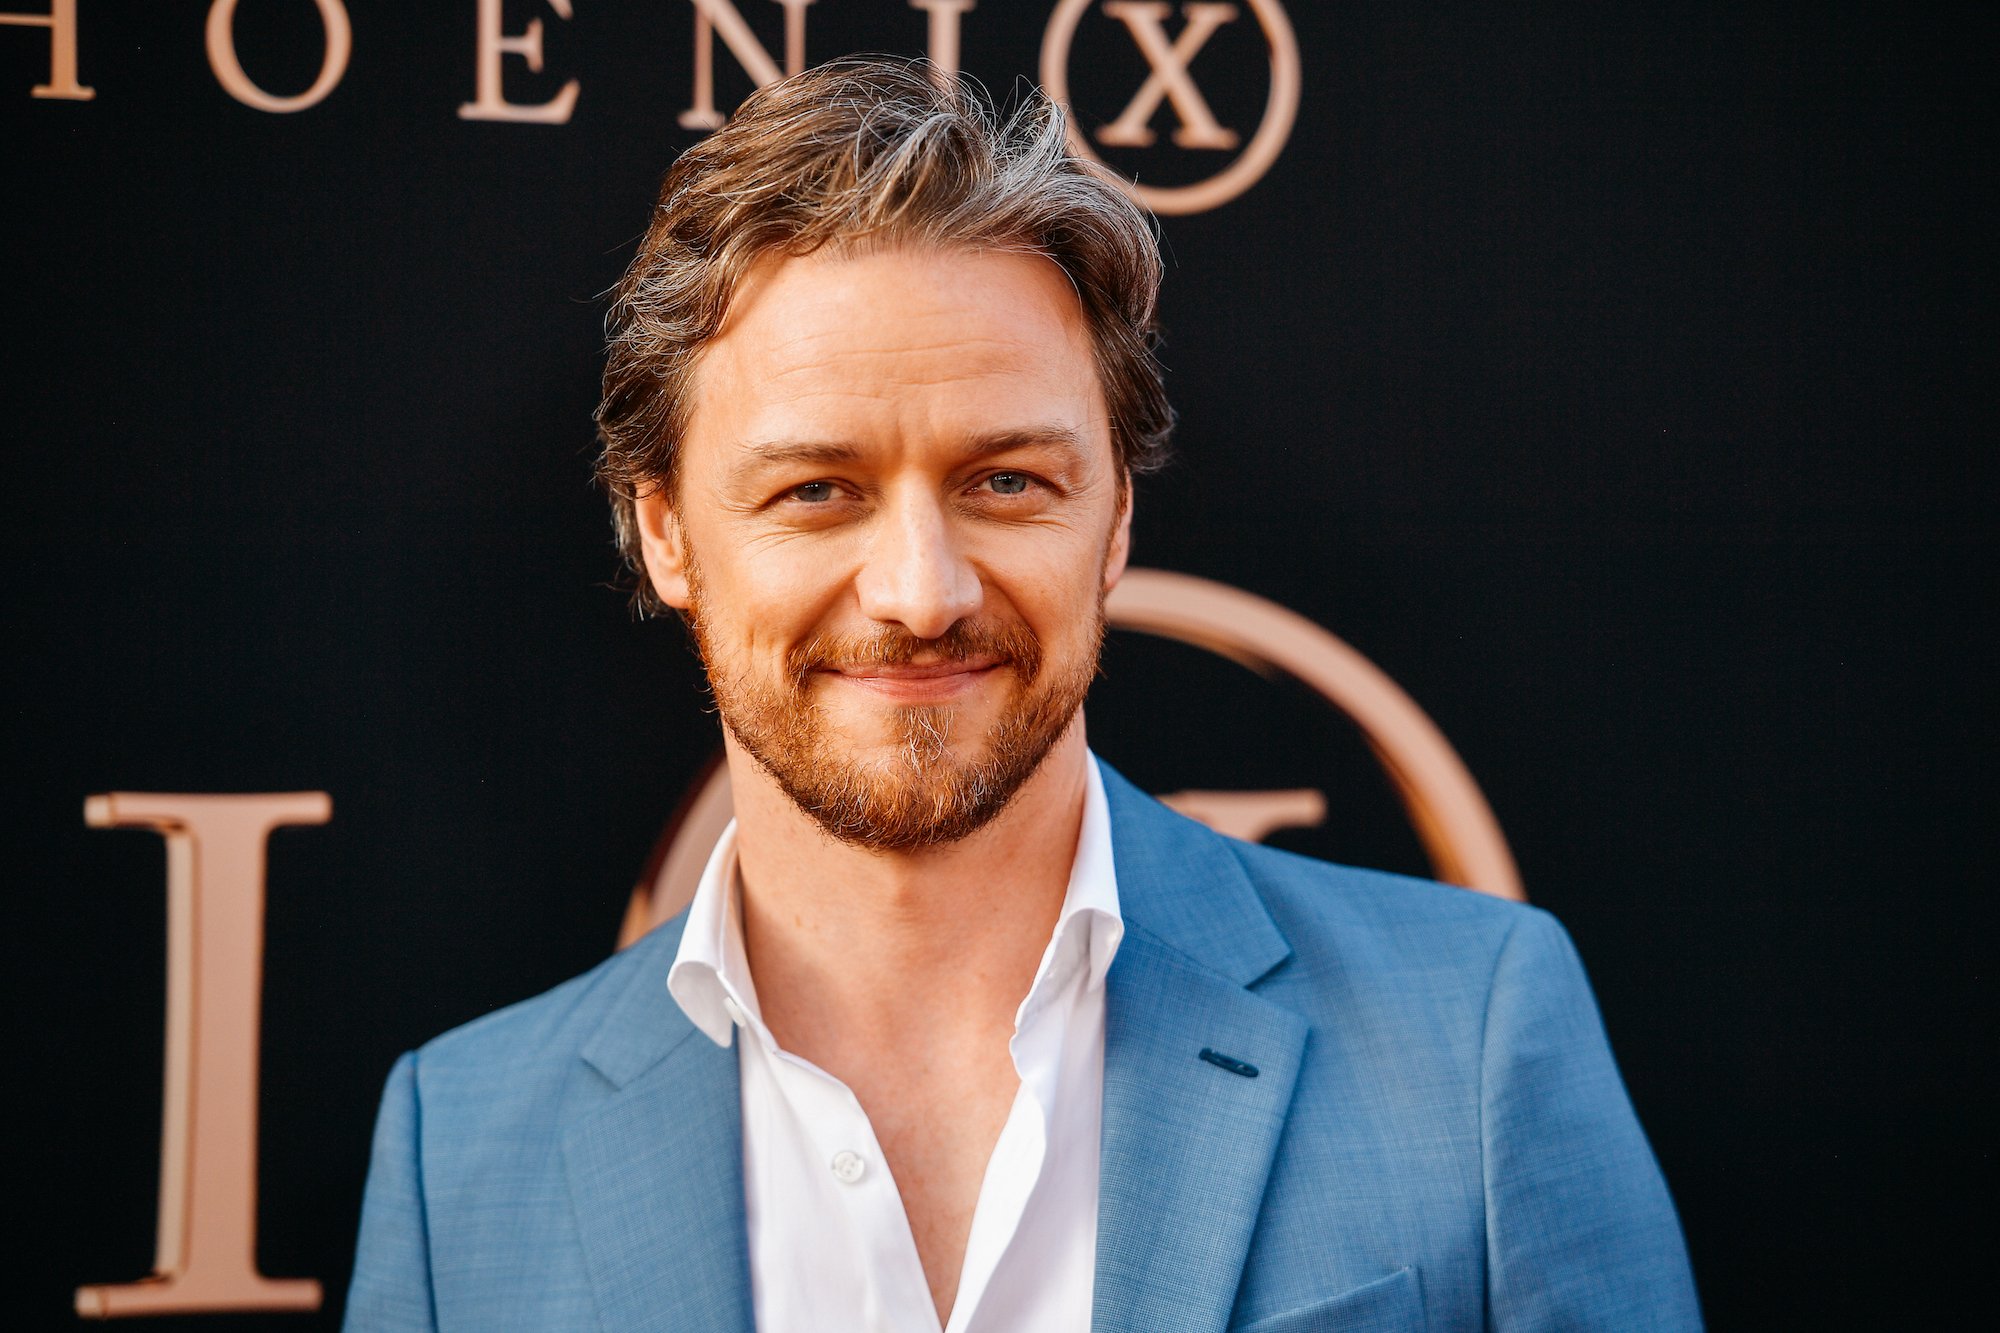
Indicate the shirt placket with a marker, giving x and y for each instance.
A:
(895, 1296)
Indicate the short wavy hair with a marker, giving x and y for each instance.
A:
(867, 150)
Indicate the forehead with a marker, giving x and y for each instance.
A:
(896, 344)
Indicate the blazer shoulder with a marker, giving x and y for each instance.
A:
(1382, 898)
(1373, 921)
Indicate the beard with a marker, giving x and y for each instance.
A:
(923, 793)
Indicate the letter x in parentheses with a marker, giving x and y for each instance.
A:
(1169, 80)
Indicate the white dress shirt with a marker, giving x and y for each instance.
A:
(830, 1245)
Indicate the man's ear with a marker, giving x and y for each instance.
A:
(663, 545)
(1121, 538)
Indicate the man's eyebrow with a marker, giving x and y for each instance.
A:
(1027, 437)
(761, 454)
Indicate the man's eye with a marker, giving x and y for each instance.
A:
(1008, 483)
(814, 492)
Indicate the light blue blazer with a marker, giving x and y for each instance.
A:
(1434, 1138)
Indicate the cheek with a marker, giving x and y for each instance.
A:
(1059, 597)
(779, 595)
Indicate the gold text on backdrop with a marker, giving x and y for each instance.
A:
(1171, 80)
(221, 39)
(61, 23)
(206, 1253)
(721, 16)
(945, 15)
(489, 101)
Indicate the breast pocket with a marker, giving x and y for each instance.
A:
(1392, 1304)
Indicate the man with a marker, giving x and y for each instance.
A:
(961, 1032)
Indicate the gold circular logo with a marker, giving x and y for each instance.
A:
(1170, 79)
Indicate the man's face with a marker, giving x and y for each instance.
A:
(897, 514)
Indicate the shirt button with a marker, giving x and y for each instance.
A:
(735, 1012)
(848, 1166)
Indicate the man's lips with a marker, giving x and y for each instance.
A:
(915, 670)
(917, 681)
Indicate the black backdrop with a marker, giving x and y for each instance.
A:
(1610, 374)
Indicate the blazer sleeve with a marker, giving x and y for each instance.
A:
(1580, 1231)
(391, 1290)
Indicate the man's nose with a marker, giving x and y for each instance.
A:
(915, 574)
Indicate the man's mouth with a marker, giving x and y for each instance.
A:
(919, 682)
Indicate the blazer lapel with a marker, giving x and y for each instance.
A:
(1198, 1075)
(1187, 1143)
(656, 1169)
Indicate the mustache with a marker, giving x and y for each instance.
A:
(892, 645)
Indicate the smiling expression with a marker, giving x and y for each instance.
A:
(896, 515)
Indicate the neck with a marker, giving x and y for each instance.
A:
(922, 947)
